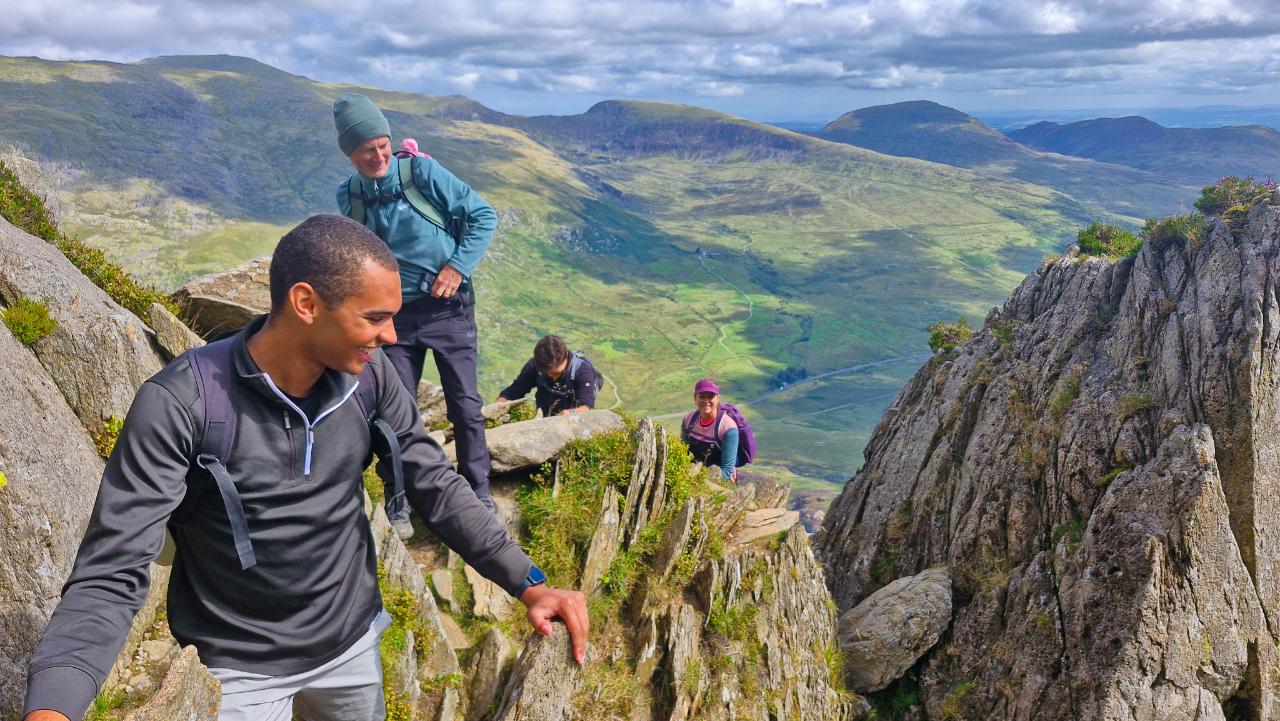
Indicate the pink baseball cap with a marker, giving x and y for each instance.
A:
(706, 385)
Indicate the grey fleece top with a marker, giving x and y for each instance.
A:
(314, 589)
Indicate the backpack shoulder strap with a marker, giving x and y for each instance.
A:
(381, 434)
(212, 366)
(575, 362)
(356, 200)
(420, 203)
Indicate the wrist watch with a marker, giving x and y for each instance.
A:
(535, 578)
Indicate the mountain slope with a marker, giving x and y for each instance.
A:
(1200, 154)
(927, 130)
(667, 242)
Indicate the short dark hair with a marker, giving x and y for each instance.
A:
(549, 352)
(326, 252)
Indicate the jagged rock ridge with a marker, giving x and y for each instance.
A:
(1098, 469)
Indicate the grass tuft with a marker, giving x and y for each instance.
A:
(29, 320)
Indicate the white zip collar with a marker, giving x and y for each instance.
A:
(308, 424)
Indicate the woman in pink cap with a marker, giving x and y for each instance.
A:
(712, 435)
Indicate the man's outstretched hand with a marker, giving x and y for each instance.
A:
(46, 716)
(546, 603)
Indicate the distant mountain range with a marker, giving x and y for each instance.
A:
(668, 242)
(1203, 154)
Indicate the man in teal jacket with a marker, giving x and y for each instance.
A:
(436, 265)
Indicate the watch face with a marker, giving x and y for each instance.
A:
(536, 576)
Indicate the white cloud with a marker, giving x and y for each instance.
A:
(674, 48)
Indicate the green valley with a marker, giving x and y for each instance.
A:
(668, 242)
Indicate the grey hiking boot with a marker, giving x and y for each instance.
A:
(498, 513)
(403, 527)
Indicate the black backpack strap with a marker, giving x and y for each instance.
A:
(213, 370)
(381, 435)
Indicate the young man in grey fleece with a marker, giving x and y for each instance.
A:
(296, 631)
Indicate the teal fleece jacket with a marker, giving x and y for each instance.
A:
(419, 245)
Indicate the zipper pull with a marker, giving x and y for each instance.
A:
(287, 426)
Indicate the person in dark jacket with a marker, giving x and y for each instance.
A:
(436, 266)
(296, 628)
(566, 382)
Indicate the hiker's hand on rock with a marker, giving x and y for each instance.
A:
(446, 283)
(569, 606)
(501, 399)
(46, 716)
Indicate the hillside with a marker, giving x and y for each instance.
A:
(667, 242)
(929, 131)
(1199, 154)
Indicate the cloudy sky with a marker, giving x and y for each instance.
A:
(763, 59)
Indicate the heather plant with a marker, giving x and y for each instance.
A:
(945, 336)
(1232, 196)
(1190, 230)
(1108, 241)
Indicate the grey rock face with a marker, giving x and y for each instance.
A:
(764, 522)
(529, 444)
(485, 671)
(887, 633)
(225, 301)
(604, 543)
(172, 335)
(542, 680)
(100, 352)
(1098, 469)
(52, 475)
(189, 693)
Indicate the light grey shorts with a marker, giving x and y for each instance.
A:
(348, 688)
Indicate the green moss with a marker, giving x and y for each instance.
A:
(107, 705)
(104, 441)
(1135, 403)
(26, 210)
(558, 529)
(949, 710)
(1066, 395)
(946, 336)
(1044, 619)
(1106, 480)
(373, 484)
(1072, 532)
(1189, 230)
(1004, 332)
(29, 320)
(896, 700)
(398, 706)
(1105, 240)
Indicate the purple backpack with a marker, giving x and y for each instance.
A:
(746, 436)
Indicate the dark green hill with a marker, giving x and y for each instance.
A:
(929, 131)
(1202, 155)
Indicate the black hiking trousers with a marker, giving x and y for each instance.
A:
(447, 327)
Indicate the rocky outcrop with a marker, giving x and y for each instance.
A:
(223, 302)
(1097, 467)
(486, 671)
(529, 444)
(100, 353)
(887, 633)
(542, 680)
(51, 477)
(189, 693)
(172, 335)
